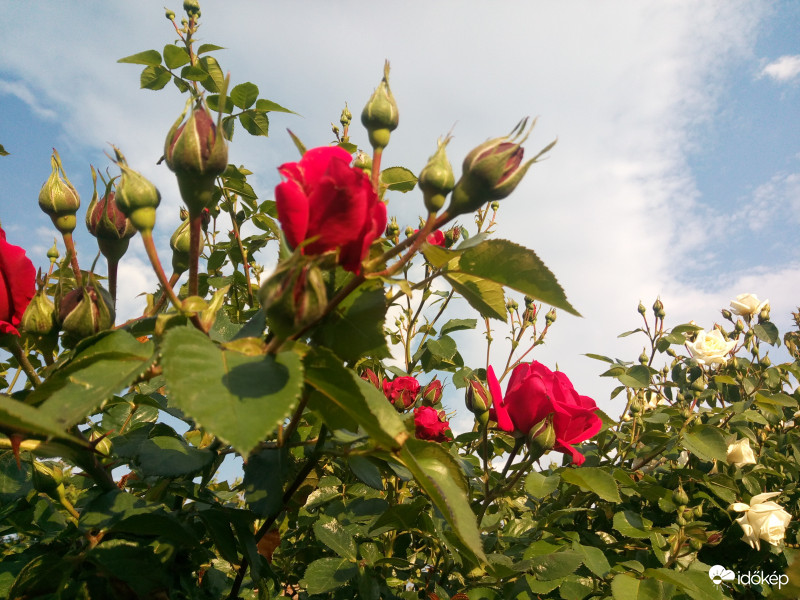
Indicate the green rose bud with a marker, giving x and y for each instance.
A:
(136, 197)
(293, 297)
(52, 253)
(58, 198)
(542, 437)
(436, 179)
(346, 116)
(180, 243)
(680, 497)
(380, 116)
(197, 152)
(478, 400)
(86, 311)
(492, 171)
(40, 316)
(46, 477)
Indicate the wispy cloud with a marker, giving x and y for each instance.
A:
(784, 69)
(21, 91)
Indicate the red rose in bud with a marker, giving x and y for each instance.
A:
(430, 424)
(372, 377)
(435, 239)
(330, 205)
(401, 391)
(432, 393)
(534, 392)
(17, 285)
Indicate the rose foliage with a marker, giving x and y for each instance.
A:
(380, 459)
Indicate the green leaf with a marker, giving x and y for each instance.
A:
(331, 533)
(216, 78)
(355, 328)
(270, 106)
(255, 123)
(443, 349)
(507, 264)
(767, 332)
(3, 151)
(15, 481)
(638, 376)
(361, 401)
(148, 57)
(399, 179)
(631, 524)
(440, 476)
(539, 486)
(594, 558)
(241, 399)
(19, 417)
(193, 73)
(244, 95)
(706, 442)
(697, 584)
(175, 56)
(208, 48)
(167, 456)
(458, 325)
(483, 295)
(92, 377)
(594, 479)
(367, 471)
(326, 574)
(264, 474)
(555, 565)
(127, 561)
(213, 103)
(626, 587)
(154, 78)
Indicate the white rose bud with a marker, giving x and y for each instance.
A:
(763, 519)
(748, 305)
(710, 347)
(740, 453)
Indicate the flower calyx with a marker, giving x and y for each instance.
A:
(58, 198)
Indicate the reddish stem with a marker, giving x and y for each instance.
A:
(376, 169)
(112, 281)
(152, 254)
(73, 257)
(195, 243)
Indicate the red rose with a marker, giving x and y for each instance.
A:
(401, 391)
(330, 203)
(534, 392)
(431, 425)
(17, 285)
(435, 239)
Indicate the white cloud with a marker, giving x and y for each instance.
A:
(783, 69)
(22, 92)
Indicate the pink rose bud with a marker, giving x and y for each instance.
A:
(432, 393)
(108, 223)
(492, 171)
(58, 198)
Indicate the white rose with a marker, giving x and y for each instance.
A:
(710, 347)
(740, 453)
(748, 305)
(762, 520)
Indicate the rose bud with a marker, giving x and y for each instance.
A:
(293, 297)
(58, 198)
(431, 425)
(180, 243)
(108, 224)
(197, 154)
(478, 400)
(86, 311)
(432, 393)
(492, 171)
(542, 437)
(436, 179)
(46, 477)
(40, 316)
(136, 197)
(451, 236)
(372, 377)
(380, 116)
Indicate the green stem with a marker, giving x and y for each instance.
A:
(195, 242)
(492, 495)
(163, 298)
(24, 363)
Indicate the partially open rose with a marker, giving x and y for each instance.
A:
(17, 285)
(535, 392)
(329, 204)
(763, 519)
(430, 424)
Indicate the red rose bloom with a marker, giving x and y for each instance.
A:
(401, 391)
(330, 203)
(435, 239)
(431, 425)
(533, 393)
(17, 285)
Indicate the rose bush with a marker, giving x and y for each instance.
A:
(535, 393)
(17, 285)
(330, 205)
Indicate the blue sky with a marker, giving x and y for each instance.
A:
(677, 171)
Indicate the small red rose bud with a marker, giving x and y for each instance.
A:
(86, 311)
(136, 197)
(550, 317)
(436, 179)
(380, 116)
(492, 171)
(293, 297)
(180, 243)
(108, 224)
(372, 377)
(197, 154)
(451, 236)
(432, 393)
(58, 198)
(478, 400)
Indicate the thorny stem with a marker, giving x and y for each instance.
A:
(73, 257)
(23, 361)
(270, 521)
(493, 494)
(195, 242)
